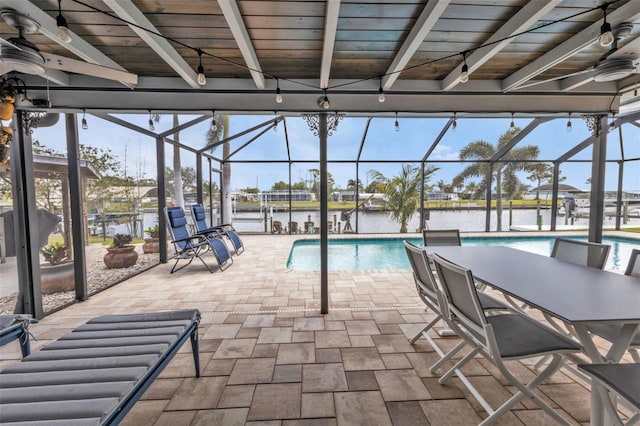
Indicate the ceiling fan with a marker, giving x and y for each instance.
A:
(20, 55)
(607, 67)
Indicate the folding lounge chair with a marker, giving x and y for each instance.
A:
(95, 374)
(200, 220)
(189, 247)
(16, 326)
(500, 337)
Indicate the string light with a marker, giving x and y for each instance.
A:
(454, 125)
(202, 79)
(214, 125)
(323, 101)
(396, 124)
(85, 125)
(275, 121)
(429, 62)
(606, 35)
(151, 126)
(278, 94)
(381, 97)
(63, 28)
(464, 75)
(512, 125)
(569, 123)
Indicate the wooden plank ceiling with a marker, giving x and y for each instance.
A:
(285, 39)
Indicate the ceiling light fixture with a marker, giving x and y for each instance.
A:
(464, 75)
(323, 101)
(381, 97)
(214, 125)
(202, 79)
(396, 124)
(512, 125)
(85, 126)
(278, 94)
(151, 126)
(454, 125)
(63, 28)
(569, 123)
(606, 35)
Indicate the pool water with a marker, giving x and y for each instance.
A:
(389, 253)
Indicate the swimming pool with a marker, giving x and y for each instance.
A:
(389, 253)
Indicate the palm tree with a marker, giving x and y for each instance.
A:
(218, 131)
(504, 173)
(402, 192)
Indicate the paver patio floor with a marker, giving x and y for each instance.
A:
(269, 357)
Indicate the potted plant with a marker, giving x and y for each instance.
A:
(121, 254)
(152, 244)
(57, 275)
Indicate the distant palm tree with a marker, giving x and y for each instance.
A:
(402, 192)
(504, 173)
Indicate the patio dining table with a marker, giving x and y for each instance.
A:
(578, 295)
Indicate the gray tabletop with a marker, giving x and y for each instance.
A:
(574, 293)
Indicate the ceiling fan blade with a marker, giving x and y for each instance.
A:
(81, 67)
(5, 42)
(538, 82)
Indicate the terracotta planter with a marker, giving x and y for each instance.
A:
(151, 245)
(120, 257)
(57, 278)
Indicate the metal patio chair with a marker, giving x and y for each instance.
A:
(441, 237)
(500, 337)
(581, 252)
(610, 331)
(427, 288)
(619, 379)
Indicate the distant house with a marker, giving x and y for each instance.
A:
(283, 196)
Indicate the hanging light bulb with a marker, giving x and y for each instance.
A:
(381, 97)
(278, 94)
(323, 101)
(512, 125)
(396, 124)
(454, 125)
(85, 126)
(202, 79)
(606, 35)
(275, 121)
(151, 126)
(63, 28)
(569, 123)
(464, 75)
(214, 125)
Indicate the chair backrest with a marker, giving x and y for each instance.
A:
(462, 297)
(581, 252)
(633, 267)
(199, 217)
(177, 222)
(421, 272)
(441, 237)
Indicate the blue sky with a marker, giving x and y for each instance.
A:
(136, 152)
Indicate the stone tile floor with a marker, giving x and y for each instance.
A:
(269, 357)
